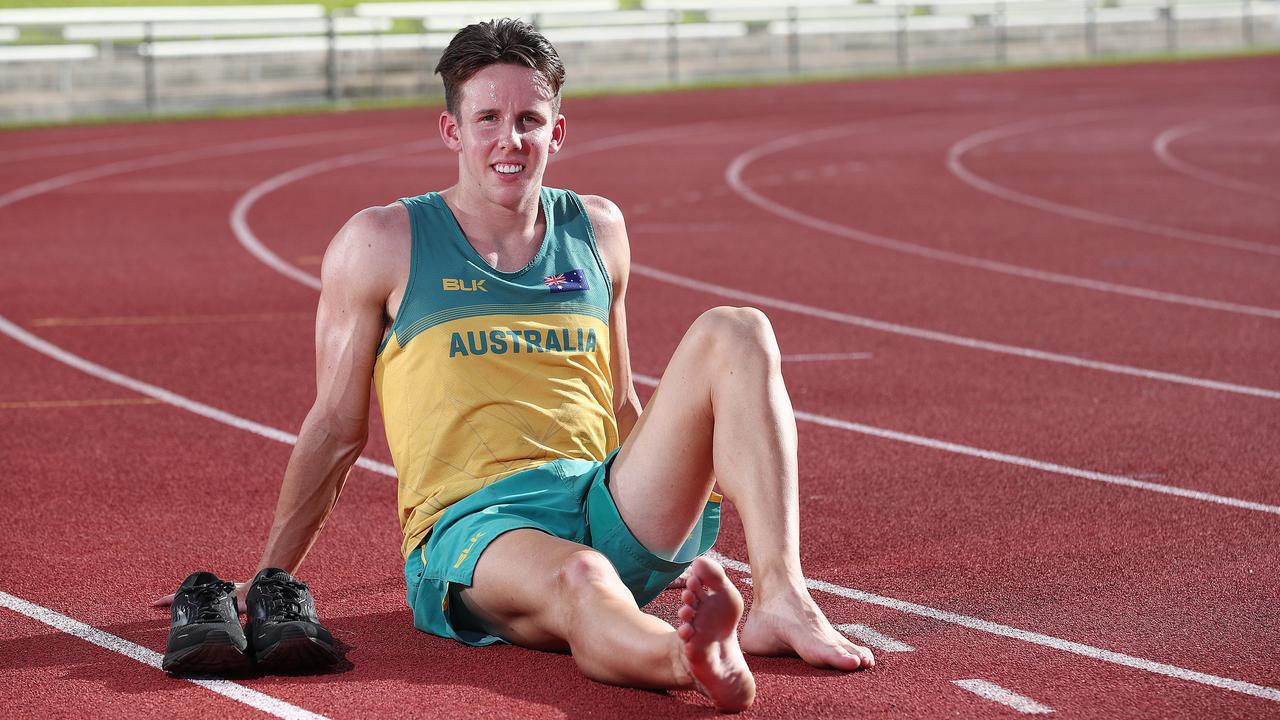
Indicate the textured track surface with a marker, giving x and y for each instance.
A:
(1003, 269)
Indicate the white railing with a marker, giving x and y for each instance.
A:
(380, 48)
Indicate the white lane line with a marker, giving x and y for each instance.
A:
(874, 638)
(955, 164)
(245, 235)
(1008, 459)
(100, 372)
(180, 156)
(77, 148)
(1004, 696)
(825, 357)
(101, 638)
(1030, 463)
(103, 373)
(733, 176)
(1034, 638)
(1161, 148)
(240, 211)
(948, 338)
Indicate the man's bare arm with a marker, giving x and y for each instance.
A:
(350, 322)
(357, 276)
(615, 250)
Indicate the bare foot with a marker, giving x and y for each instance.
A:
(795, 626)
(709, 630)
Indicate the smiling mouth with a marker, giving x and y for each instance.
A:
(508, 168)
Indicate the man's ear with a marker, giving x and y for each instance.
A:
(558, 131)
(450, 132)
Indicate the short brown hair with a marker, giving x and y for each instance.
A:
(478, 46)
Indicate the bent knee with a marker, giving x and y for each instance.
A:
(586, 570)
(737, 332)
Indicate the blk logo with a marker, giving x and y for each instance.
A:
(463, 285)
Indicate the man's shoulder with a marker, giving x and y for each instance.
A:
(371, 247)
(611, 237)
(605, 215)
(379, 224)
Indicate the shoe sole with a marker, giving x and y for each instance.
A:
(292, 650)
(217, 654)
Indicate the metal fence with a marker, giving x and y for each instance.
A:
(144, 62)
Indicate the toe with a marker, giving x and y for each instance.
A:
(710, 573)
(842, 659)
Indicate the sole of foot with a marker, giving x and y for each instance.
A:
(709, 614)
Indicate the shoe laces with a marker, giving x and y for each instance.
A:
(207, 600)
(284, 598)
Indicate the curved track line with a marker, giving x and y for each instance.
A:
(244, 233)
(44, 347)
(733, 176)
(103, 639)
(179, 156)
(1160, 146)
(973, 623)
(955, 164)
(77, 148)
(250, 241)
(239, 217)
(240, 211)
(948, 338)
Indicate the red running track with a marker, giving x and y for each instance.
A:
(1034, 360)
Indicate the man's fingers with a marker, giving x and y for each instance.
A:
(165, 601)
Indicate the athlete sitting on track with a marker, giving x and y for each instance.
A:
(539, 506)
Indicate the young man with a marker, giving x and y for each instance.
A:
(539, 505)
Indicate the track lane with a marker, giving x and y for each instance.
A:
(819, 686)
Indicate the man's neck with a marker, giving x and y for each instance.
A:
(506, 237)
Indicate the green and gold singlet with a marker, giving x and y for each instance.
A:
(487, 373)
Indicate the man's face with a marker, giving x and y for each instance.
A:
(504, 132)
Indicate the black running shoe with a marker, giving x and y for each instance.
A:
(204, 635)
(284, 633)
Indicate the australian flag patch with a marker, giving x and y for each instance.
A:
(567, 282)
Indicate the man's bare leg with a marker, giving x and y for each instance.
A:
(721, 414)
(546, 593)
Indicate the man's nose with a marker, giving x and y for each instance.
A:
(511, 137)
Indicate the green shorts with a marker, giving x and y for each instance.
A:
(568, 499)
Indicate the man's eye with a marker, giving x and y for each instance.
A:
(488, 118)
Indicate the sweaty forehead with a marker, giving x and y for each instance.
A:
(502, 84)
